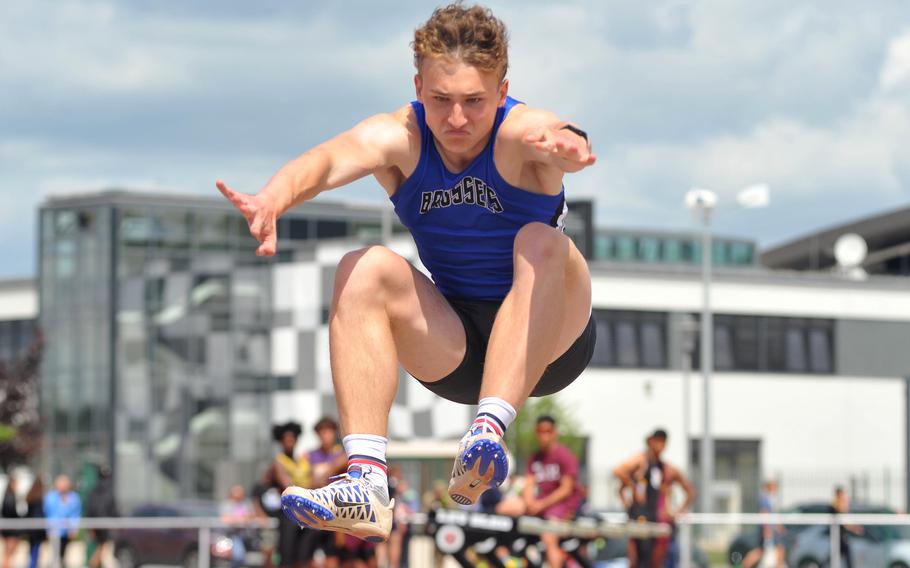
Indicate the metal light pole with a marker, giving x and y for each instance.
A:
(703, 202)
(707, 360)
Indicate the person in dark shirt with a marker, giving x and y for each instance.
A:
(11, 510)
(100, 503)
(841, 506)
(34, 502)
(645, 485)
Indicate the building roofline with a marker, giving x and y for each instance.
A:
(136, 197)
(18, 282)
(815, 250)
(749, 274)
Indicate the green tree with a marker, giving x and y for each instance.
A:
(20, 419)
(522, 440)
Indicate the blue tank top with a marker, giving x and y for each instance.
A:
(464, 224)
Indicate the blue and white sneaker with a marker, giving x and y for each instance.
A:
(351, 505)
(482, 462)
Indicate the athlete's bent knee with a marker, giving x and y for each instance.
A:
(541, 244)
(366, 272)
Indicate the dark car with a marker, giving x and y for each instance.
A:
(173, 546)
(751, 538)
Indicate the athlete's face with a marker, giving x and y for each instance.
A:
(657, 445)
(546, 434)
(460, 102)
(327, 436)
(288, 442)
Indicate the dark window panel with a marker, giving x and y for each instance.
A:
(626, 344)
(331, 228)
(746, 343)
(796, 350)
(298, 229)
(775, 343)
(820, 358)
(653, 350)
(603, 348)
(723, 346)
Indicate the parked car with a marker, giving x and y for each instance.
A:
(876, 546)
(173, 546)
(751, 538)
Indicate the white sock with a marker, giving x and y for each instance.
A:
(366, 456)
(493, 415)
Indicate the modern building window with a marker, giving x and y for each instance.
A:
(649, 248)
(772, 344)
(630, 339)
(331, 228)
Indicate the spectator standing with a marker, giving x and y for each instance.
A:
(841, 506)
(771, 534)
(13, 508)
(62, 506)
(267, 505)
(284, 471)
(34, 502)
(237, 512)
(646, 484)
(551, 488)
(100, 504)
(326, 460)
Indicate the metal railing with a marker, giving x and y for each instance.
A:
(204, 526)
(835, 523)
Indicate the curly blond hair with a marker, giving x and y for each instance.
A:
(472, 35)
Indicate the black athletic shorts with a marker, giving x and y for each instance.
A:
(463, 384)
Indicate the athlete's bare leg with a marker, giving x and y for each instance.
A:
(546, 310)
(385, 311)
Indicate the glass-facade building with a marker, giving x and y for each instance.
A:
(670, 248)
(158, 320)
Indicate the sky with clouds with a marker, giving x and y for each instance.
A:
(810, 97)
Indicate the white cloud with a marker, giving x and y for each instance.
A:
(896, 70)
(810, 97)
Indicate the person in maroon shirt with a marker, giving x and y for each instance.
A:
(551, 489)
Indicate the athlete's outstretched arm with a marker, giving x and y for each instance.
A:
(361, 151)
(547, 140)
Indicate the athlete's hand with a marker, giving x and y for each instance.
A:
(260, 216)
(569, 151)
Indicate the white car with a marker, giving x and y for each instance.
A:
(877, 547)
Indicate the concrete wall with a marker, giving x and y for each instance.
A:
(870, 348)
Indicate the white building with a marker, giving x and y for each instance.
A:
(184, 347)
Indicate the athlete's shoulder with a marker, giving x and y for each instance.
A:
(387, 126)
(390, 134)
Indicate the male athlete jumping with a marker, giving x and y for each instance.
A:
(476, 176)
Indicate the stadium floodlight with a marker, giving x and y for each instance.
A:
(700, 199)
(850, 251)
